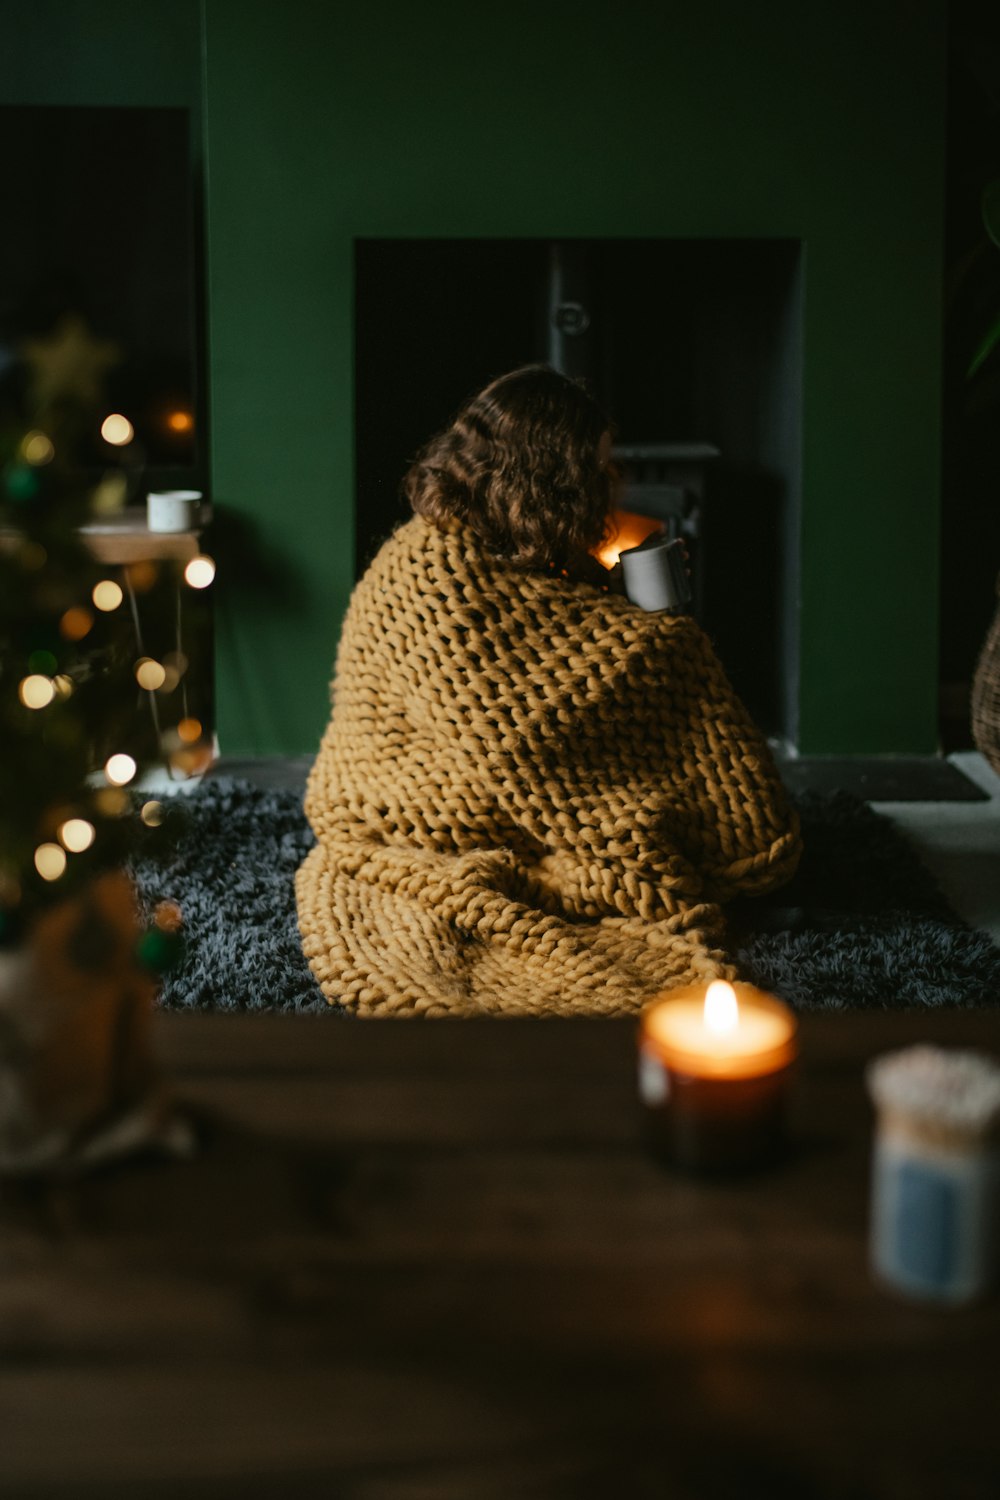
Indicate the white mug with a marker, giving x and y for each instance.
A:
(173, 510)
(655, 575)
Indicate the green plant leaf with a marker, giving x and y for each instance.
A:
(985, 349)
(990, 209)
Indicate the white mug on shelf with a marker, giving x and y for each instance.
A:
(173, 510)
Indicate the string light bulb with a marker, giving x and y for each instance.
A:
(109, 493)
(189, 730)
(37, 448)
(36, 691)
(200, 572)
(50, 861)
(76, 623)
(120, 768)
(117, 430)
(149, 674)
(142, 575)
(76, 834)
(107, 595)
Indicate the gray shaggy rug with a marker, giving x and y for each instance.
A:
(862, 926)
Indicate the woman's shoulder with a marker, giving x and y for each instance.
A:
(404, 545)
(420, 557)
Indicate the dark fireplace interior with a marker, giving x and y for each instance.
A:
(694, 348)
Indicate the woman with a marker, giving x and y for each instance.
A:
(532, 796)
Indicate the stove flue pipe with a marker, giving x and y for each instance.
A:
(572, 334)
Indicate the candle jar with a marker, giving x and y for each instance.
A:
(713, 1094)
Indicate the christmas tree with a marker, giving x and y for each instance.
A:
(84, 712)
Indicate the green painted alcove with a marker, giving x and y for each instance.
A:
(822, 124)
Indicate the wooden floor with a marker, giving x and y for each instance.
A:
(435, 1262)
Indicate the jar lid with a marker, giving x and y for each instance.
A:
(941, 1093)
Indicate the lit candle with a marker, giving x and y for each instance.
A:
(714, 1067)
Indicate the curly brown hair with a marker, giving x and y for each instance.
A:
(519, 466)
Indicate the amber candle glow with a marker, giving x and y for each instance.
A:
(714, 1067)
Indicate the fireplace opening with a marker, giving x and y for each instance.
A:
(693, 346)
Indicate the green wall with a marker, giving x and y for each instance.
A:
(824, 122)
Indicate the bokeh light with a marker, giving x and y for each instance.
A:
(21, 483)
(175, 664)
(43, 661)
(63, 685)
(199, 572)
(189, 730)
(142, 575)
(168, 916)
(109, 493)
(76, 623)
(50, 861)
(180, 421)
(152, 814)
(117, 430)
(107, 595)
(192, 760)
(37, 448)
(36, 691)
(77, 834)
(149, 674)
(111, 801)
(120, 769)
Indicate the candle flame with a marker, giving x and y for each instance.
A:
(722, 1011)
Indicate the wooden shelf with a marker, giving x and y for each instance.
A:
(127, 538)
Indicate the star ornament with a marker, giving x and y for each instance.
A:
(70, 363)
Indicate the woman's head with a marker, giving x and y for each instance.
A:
(524, 466)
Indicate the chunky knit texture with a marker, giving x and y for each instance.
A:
(531, 797)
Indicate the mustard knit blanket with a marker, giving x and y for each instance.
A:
(531, 797)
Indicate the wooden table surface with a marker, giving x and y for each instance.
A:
(433, 1262)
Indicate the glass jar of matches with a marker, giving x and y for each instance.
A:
(935, 1219)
